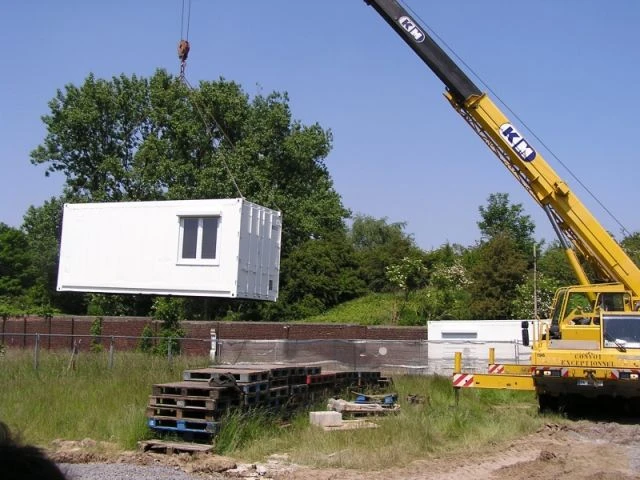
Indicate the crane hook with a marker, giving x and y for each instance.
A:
(183, 53)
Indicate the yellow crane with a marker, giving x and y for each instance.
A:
(591, 346)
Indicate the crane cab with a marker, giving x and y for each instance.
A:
(577, 310)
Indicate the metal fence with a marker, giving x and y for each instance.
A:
(390, 356)
(111, 344)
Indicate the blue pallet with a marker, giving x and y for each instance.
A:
(183, 426)
(390, 399)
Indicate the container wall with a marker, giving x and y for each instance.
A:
(259, 261)
(474, 338)
(188, 247)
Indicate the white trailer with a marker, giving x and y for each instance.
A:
(215, 248)
(474, 338)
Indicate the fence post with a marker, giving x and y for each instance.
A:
(36, 353)
(214, 345)
(111, 354)
(169, 351)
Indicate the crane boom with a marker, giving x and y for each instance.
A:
(578, 230)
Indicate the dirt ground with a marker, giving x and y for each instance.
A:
(584, 450)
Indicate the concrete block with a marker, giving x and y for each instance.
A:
(326, 419)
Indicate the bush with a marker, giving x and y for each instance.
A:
(146, 341)
(170, 311)
(96, 335)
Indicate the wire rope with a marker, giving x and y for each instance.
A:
(515, 115)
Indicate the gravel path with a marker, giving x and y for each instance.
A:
(123, 471)
(576, 450)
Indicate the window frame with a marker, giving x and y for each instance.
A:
(198, 260)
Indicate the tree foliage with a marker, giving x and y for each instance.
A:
(495, 277)
(132, 138)
(319, 274)
(631, 245)
(500, 217)
(553, 263)
(15, 266)
(378, 245)
(407, 275)
(523, 304)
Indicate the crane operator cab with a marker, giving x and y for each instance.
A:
(577, 310)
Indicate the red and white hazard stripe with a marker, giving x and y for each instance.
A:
(496, 368)
(462, 380)
(615, 374)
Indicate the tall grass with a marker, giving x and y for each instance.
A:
(438, 426)
(91, 400)
(109, 405)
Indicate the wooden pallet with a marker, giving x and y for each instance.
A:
(278, 382)
(279, 392)
(193, 389)
(188, 414)
(255, 399)
(164, 446)
(321, 379)
(300, 389)
(194, 402)
(244, 375)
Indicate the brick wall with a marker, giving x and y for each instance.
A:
(59, 332)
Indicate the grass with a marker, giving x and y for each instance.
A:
(55, 402)
(438, 427)
(372, 309)
(109, 405)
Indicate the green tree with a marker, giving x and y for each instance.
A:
(407, 275)
(500, 217)
(631, 245)
(500, 268)
(133, 138)
(15, 262)
(171, 311)
(43, 228)
(553, 264)
(447, 294)
(320, 274)
(15, 272)
(522, 306)
(378, 245)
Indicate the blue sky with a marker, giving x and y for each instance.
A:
(569, 68)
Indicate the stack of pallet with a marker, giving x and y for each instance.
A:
(195, 406)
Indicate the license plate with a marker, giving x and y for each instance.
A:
(590, 383)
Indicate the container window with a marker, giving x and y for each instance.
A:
(209, 237)
(189, 237)
(459, 335)
(198, 238)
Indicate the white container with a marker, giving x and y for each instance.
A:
(473, 338)
(215, 248)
